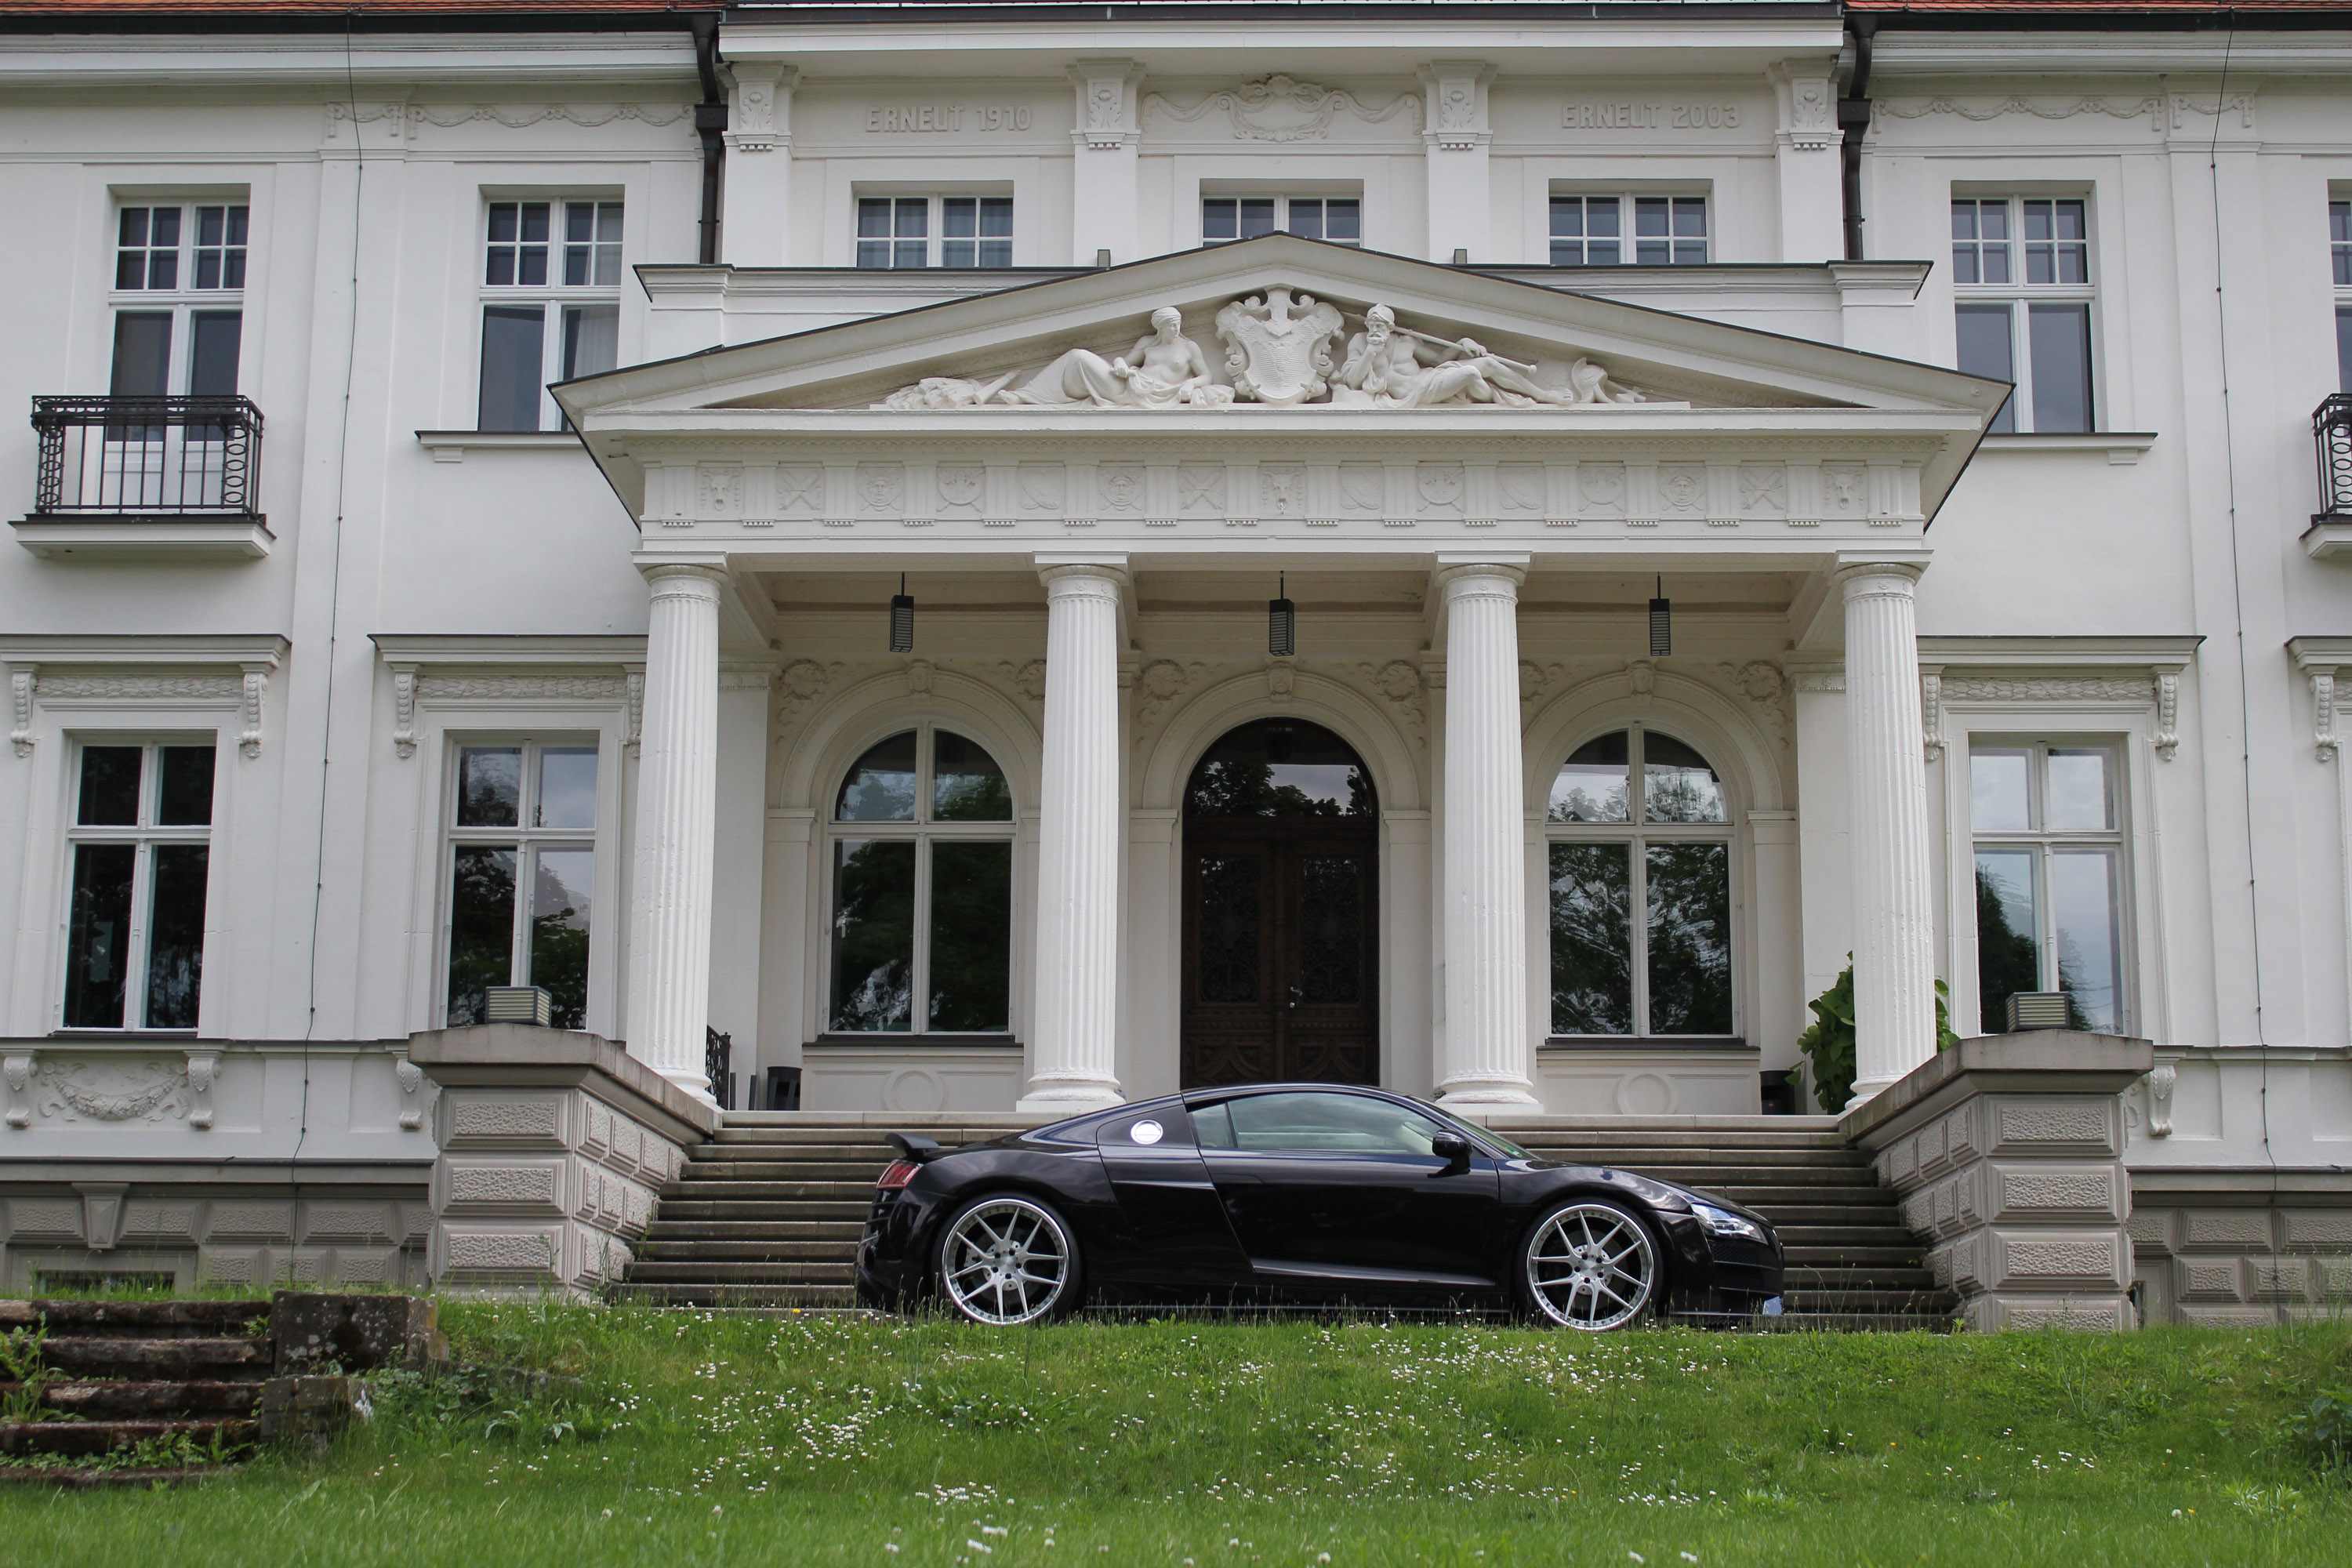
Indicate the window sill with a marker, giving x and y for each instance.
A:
(451, 445)
(201, 536)
(2328, 537)
(1648, 1043)
(913, 1042)
(2123, 448)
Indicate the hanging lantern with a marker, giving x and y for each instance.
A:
(1282, 622)
(902, 618)
(1662, 624)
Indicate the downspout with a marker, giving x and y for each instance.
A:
(1854, 119)
(710, 124)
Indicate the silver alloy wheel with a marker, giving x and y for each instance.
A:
(1591, 1266)
(1005, 1260)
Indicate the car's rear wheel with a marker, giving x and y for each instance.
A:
(1007, 1259)
(1590, 1264)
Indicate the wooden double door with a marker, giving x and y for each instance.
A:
(1281, 952)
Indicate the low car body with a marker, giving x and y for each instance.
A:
(1311, 1193)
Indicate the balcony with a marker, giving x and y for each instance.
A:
(147, 477)
(2330, 533)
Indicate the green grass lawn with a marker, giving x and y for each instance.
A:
(697, 1440)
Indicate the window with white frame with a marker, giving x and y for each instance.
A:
(522, 874)
(1339, 219)
(2048, 827)
(1616, 230)
(551, 305)
(178, 297)
(1639, 827)
(934, 231)
(2339, 246)
(2022, 283)
(921, 865)
(142, 840)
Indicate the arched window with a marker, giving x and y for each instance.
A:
(922, 889)
(1639, 822)
(1280, 767)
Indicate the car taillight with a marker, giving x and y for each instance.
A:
(900, 1172)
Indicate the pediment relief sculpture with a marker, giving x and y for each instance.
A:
(1281, 350)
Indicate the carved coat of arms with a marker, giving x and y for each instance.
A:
(1277, 351)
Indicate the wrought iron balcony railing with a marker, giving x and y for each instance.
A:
(2331, 427)
(149, 458)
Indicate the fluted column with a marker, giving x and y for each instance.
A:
(1889, 849)
(676, 829)
(1487, 1043)
(1072, 1038)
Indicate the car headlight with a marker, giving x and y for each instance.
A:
(1723, 1222)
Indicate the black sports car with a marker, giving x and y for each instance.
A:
(1305, 1193)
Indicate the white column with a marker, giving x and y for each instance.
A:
(1073, 1042)
(677, 830)
(1889, 844)
(1486, 1045)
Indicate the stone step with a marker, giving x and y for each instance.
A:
(1877, 1293)
(91, 1439)
(875, 1155)
(1638, 1155)
(124, 1478)
(675, 1230)
(689, 1271)
(1902, 1255)
(144, 1400)
(1850, 1323)
(1771, 1198)
(701, 1171)
(840, 1253)
(859, 1192)
(725, 1206)
(1850, 1235)
(147, 1361)
(724, 1295)
(135, 1319)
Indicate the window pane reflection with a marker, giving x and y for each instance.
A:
(881, 787)
(567, 787)
(481, 926)
(176, 936)
(110, 786)
(874, 933)
(1690, 939)
(1677, 784)
(966, 784)
(489, 786)
(2078, 800)
(185, 797)
(971, 936)
(1277, 767)
(1592, 939)
(2008, 957)
(561, 884)
(97, 939)
(1998, 797)
(2082, 914)
(1592, 784)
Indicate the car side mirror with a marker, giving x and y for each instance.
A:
(1452, 1148)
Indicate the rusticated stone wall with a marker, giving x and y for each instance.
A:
(2238, 1247)
(554, 1146)
(2008, 1153)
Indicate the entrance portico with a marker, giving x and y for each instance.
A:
(1469, 574)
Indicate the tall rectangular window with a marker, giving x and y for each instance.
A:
(934, 231)
(2022, 287)
(1619, 230)
(142, 837)
(2050, 873)
(1339, 219)
(522, 875)
(550, 306)
(2339, 246)
(178, 286)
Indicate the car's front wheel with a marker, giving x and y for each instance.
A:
(1590, 1264)
(1006, 1259)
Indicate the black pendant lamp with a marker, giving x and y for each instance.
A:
(1282, 622)
(1662, 624)
(902, 618)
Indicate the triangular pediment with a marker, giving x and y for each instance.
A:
(1285, 334)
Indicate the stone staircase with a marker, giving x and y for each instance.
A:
(769, 1214)
(131, 1393)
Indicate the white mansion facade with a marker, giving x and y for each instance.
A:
(1006, 557)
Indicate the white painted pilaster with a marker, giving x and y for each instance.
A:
(738, 878)
(1103, 191)
(1456, 132)
(1487, 1050)
(1892, 869)
(676, 827)
(758, 163)
(1073, 1046)
(1805, 149)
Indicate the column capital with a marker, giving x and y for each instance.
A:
(1063, 573)
(710, 569)
(1854, 564)
(1451, 568)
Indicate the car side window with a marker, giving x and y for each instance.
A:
(1309, 1123)
(1214, 1126)
(1165, 1125)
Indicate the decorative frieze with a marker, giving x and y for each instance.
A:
(1281, 109)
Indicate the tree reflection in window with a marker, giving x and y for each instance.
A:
(922, 889)
(1640, 820)
(1280, 767)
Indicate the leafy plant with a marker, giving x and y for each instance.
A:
(20, 1363)
(2325, 1430)
(1828, 1043)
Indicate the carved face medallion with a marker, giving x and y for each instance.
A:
(960, 483)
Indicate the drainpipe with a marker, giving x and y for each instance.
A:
(710, 124)
(1854, 119)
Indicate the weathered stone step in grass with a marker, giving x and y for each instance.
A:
(95, 1439)
(238, 1360)
(121, 1479)
(142, 1401)
(138, 1319)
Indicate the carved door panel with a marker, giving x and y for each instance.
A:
(1281, 942)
